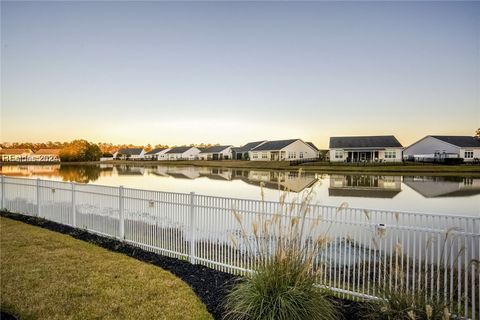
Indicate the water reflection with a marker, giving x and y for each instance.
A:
(433, 187)
(365, 186)
(357, 190)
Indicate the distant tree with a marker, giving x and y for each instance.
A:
(477, 133)
(80, 150)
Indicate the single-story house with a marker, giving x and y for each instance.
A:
(241, 153)
(15, 154)
(439, 148)
(365, 149)
(130, 154)
(216, 153)
(282, 150)
(47, 155)
(156, 154)
(182, 153)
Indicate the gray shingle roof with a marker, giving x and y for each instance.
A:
(274, 145)
(365, 142)
(131, 151)
(154, 151)
(313, 146)
(215, 149)
(179, 149)
(460, 141)
(249, 146)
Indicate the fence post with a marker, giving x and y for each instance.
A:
(3, 193)
(121, 222)
(38, 198)
(191, 256)
(74, 209)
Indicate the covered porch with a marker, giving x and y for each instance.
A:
(362, 155)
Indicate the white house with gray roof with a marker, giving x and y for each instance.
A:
(182, 153)
(130, 154)
(241, 153)
(156, 154)
(438, 148)
(283, 150)
(365, 149)
(216, 153)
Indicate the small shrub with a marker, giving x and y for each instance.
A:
(282, 286)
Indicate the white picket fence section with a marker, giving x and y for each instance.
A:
(362, 255)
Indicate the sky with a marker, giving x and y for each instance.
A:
(232, 72)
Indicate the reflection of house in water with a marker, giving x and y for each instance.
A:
(364, 186)
(432, 187)
(128, 170)
(30, 170)
(283, 180)
(218, 174)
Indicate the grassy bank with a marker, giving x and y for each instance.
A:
(46, 275)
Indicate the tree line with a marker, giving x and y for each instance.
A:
(83, 150)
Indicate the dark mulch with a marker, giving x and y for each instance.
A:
(6, 316)
(210, 285)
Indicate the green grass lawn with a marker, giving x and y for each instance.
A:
(47, 275)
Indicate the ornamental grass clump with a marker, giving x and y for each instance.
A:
(424, 302)
(284, 281)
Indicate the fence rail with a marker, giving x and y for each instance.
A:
(361, 257)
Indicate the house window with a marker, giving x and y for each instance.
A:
(255, 155)
(301, 155)
(264, 155)
(338, 154)
(469, 154)
(292, 155)
(390, 154)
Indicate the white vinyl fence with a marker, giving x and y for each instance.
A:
(364, 253)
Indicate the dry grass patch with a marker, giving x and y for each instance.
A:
(46, 275)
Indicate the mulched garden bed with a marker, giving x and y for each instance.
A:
(210, 285)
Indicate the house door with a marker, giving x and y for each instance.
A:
(363, 156)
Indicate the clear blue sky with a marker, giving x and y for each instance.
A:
(232, 72)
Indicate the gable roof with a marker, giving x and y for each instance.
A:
(365, 142)
(215, 149)
(179, 149)
(249, 146)
(131, 151)
(312, 145)
(460, 141)
(15, 151)
(48, 151)
(274, 145)
(156, 150)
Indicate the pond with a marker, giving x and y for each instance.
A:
(454, 195)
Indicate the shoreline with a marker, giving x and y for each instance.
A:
(324, 167)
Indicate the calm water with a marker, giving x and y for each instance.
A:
(449, 195)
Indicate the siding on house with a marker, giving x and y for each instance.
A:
(216, 153)
(182, 153)
(365, 148)
(283, 150)
(441, 147)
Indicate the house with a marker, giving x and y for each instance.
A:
(156, 154)
(365, 149)
(216, 153)
(130, 154)
(241, 153)
(439, 148)
(47, 155)
(182, 153)
(282, 150)
(15, 154)
(315, 148)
